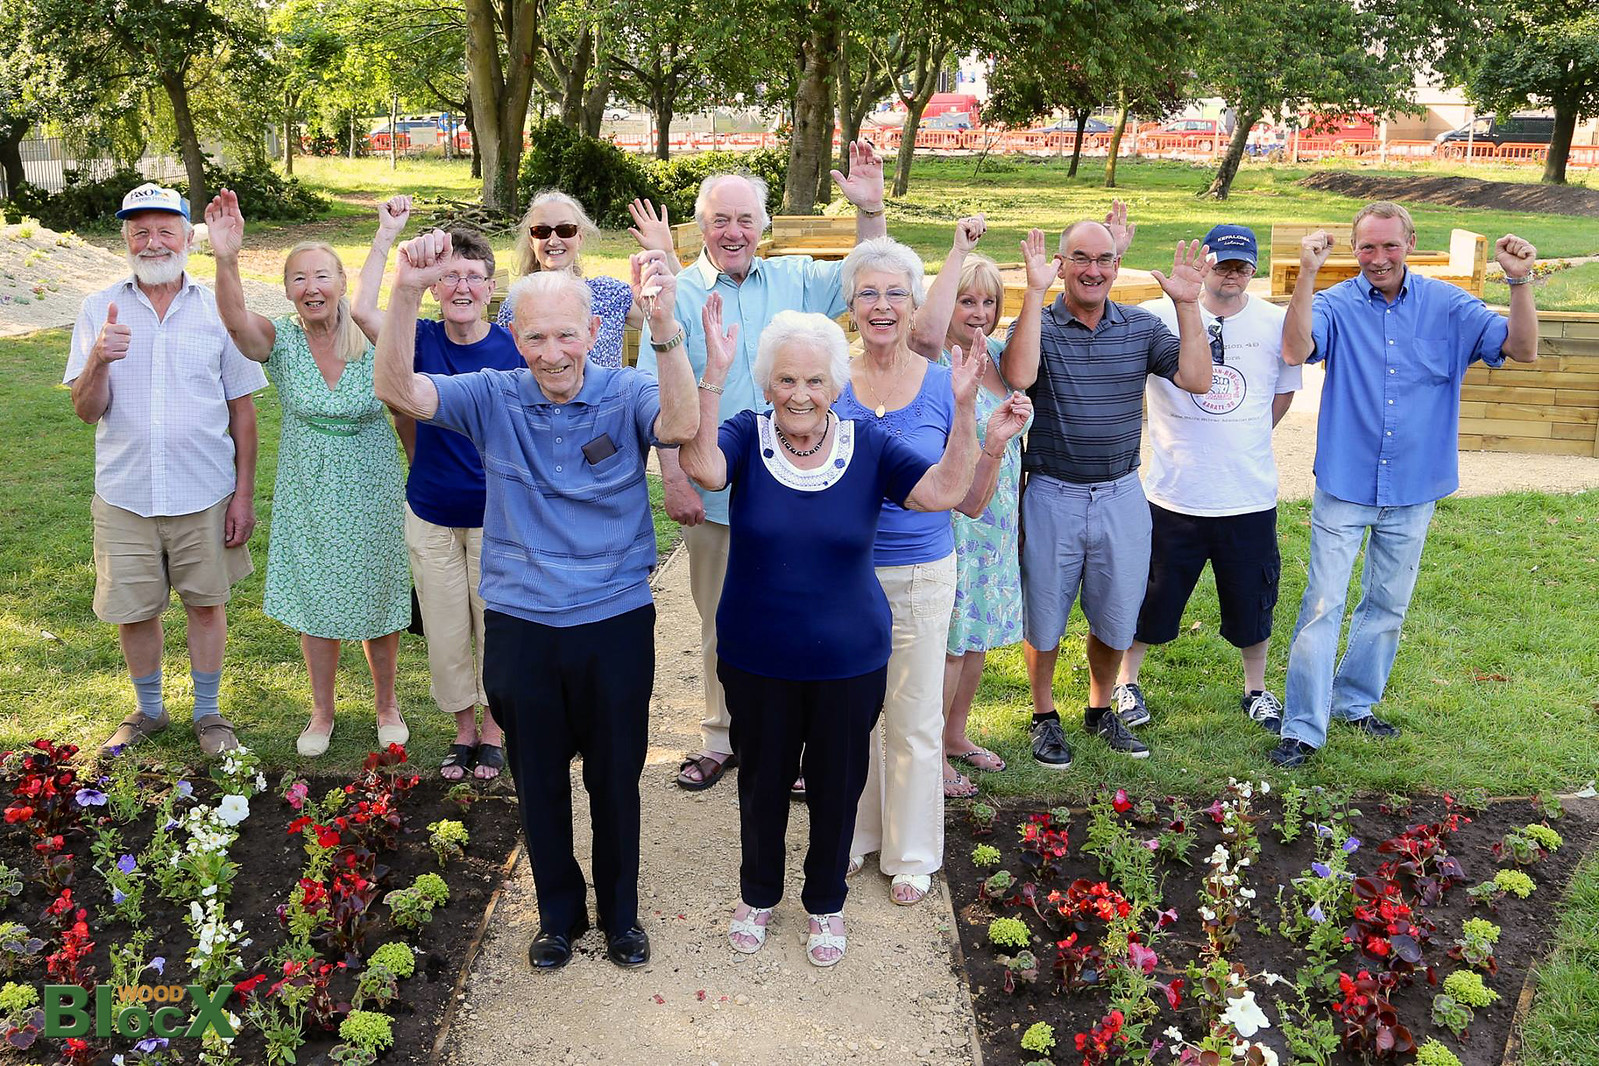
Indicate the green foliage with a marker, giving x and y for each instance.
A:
(598, 174)
(433, 889)
(367, 1030)
(448, 839)
(985, 855)
(1547, 838)
(396, 957)
(1434, 1053)
(1450, 1013)
(263, 192)
(1008, 933)
(1040, 1037)
(81, 204)
(1480, 929)
(1292, 823)
(15, 998)
(1467, 987)
(1515, 882)
(678, 179)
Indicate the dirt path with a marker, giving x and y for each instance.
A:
(1459, 192)
(894, 999)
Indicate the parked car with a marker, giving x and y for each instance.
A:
(947, 120)
(1349, 127)
(1515, 129)
(617, 114)
(943, 103)
(1069, 125)
(1198, 134)
(413, 132)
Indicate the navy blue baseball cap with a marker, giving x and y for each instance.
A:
(1232, 242)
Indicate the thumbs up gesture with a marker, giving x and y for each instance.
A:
(112, 344)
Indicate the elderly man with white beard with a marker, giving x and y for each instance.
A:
(170, 397)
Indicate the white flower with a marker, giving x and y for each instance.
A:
(1207, 914)
(1268, 1056)
(1173, 1034)
(1247, 893)
(1265, 787)
(1271, 978)
(233, 810)
(1218, 857)
(260, 782)
(1245, 1015)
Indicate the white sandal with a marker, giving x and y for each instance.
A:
(750, 927)
(921, 884)
(857, 863)
(825, 938)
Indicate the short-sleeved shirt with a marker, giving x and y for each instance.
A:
(566, 541)
(1387, 434)
(445, 485)
(162, 447)
(1211, 455)
(801, 600)
(906, 537)
(1088, 401)
(611, 299)
(783, 283)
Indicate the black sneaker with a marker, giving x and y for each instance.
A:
(1129, 702)
(1265, 710)
(1290, 754)
(1050, 749)
(1375, 727)
(1114, 732)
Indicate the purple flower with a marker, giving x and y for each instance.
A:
(1320, 869)
(1352, 843)
(158, 964)
(88, 797)
(172, 823)
(184, 790)
(1153, 843)
(1315, 914)
(1321, 830)
(127, 864)
(117, 896)
(151, 1043)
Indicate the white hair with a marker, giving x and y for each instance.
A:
(548, 286)
(808, 328)
(703, 200)
(883, 253)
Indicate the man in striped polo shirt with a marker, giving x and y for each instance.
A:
(1085, 523)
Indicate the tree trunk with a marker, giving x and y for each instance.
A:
(594, 100)
(577, 76)
(288, 132)
(188, 141)
(12, 130)
(1222, 183)
(499, 94)
(394, 131)
(929, 62)
(477, 156)
(810, 145)
(1116, 138)
(1554, 164)
(352, 133)
(661, 108)
(1077, 147)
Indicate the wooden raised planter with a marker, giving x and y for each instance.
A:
(1550, 406)
(1465, 263)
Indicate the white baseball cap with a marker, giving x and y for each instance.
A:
(152, 197)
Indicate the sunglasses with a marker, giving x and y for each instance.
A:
(566, 230)
(1218, 347)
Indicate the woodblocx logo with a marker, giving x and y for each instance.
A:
(136, 1011)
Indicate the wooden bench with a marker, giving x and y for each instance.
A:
(818, 236)
(1465, 263)
(1548, 407)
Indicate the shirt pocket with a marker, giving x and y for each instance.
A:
(1435, 361)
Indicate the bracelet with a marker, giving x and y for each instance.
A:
(708, 387)
(870, 214)
(1525, 279)
(997, 458)
(666, 346)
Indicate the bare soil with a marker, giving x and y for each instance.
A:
(1459, 192)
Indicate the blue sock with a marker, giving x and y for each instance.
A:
(148, 690)
(206, 683)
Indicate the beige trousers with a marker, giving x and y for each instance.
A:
(707, 567)
(901, 814)
(444, 567)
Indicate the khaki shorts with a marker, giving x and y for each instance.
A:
(139, 561)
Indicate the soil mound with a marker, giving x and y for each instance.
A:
(1460, 192)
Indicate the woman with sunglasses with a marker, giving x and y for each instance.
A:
(551, 238)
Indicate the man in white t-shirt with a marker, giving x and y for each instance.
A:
(1212, 480)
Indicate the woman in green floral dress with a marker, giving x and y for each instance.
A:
(336, 561)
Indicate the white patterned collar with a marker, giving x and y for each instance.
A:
(787, 474)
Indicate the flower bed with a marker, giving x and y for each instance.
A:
(336, 910)
(1256, 929)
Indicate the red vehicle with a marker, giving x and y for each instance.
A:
(1340, 128)
(948, 103)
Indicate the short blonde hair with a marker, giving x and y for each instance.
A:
(802, 327)
(526, 261)
(981, 274)
(883, 253)
(350, 343)
(1382, 209)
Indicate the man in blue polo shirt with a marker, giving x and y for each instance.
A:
(1396, 346)
(568, 546)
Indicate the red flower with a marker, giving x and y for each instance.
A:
(299, 823)
(244, 988)
(1121, 802)
(18, 814)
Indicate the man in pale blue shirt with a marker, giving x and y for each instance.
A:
(1396, 347)
(731, 214)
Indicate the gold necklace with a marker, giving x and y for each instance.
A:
(880, 406)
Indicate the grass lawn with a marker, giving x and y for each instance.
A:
(1576, 289)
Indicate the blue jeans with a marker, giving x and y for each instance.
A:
(1316, 692)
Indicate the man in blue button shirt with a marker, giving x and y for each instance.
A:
(1396, 346)
(568, 546)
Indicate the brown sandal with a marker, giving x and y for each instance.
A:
(708, 767)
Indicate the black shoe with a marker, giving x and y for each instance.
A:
(1265, 710)
(1290, 754)
(629, 948)
(1374, 727)
(1050, 749)
(1129, 700)
(1114, 732)
(551, 951)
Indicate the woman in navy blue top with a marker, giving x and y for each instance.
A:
(803, 626)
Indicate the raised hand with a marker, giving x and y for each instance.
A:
(654, 284)
(720, 347)
(1041, 269)
(966, 375)
(1008, 419)
(1516, 255)
(968, 231)
(1189, 265)
(224, 224)
(112, 343)
(1314, 248)
(863, 187)
(650, 229)
(422, 260)
(393, 214)
(1121, 231)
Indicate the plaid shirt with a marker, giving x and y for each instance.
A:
(162, 447)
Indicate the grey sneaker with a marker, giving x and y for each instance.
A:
(1265, 710)
(1114, 732)
(1128, 700)
(134, 728)
(1050, 749)
(215, 734)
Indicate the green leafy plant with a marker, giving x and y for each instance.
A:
(462, 794)
(413, 907)
(10, 880)
(1434, 1053)
(1008, 933)
(1475, 946)
(1468, 988)
(1473, 800)
(1292, 822)
(448, 840)
(1548, 805)
(1040, 1038)
(396, 957)
(1515, 882)
(1452, 1014)
(365, 1034)
(1547, 838)
(18, 947)
(985, 855)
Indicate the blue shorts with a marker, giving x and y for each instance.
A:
(1087, 540)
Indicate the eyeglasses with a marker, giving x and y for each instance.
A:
(473, 281)
(566, 230)
(1234, 268)
(1218, 347)
(895, 296)
(1103, 262)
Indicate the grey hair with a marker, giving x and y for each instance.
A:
(702, 201)
(547, 287)
(883, 253)
(802, 327)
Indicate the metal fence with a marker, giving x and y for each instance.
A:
(46, 161)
